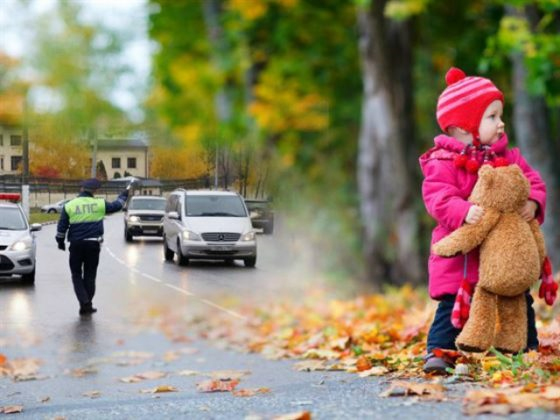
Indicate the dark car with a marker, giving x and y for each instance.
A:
(144, 216)
(262, 215)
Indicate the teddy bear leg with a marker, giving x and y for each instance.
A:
(511, 334)
(478, 332)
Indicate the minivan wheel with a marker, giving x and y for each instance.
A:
(28, 278)
(127, 235)
(167, 253)
(250, 262)
(181, 259)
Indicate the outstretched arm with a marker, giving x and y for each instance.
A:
(114, 206)
(467, 237)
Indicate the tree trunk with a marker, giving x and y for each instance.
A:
(534, 140)
(389, 222)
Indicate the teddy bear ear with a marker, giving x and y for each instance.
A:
(485, 170)
(514, 167)
(485, 175)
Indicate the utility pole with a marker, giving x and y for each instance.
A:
(92, 140)
(25, 158)
(216, 169)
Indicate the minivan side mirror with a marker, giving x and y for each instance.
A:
(173, 215)
(35, 227)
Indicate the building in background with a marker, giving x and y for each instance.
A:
(119, 157)
(123, 157)
(11, 149)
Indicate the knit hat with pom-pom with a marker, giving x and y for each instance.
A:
(464, 101)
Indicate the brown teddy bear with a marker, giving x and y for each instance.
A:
(512, 252)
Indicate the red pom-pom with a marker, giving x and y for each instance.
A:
(454, 75)
(500, 161)
(472, 166)
(460, 161)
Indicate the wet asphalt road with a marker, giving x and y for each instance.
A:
(42, 322)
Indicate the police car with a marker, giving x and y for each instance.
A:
(17, 242)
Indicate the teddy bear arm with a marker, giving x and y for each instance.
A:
(539, 238)
(467, 237)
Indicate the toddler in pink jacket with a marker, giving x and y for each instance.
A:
(470, 112)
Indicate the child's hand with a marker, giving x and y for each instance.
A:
(474, 214)
(529, 210)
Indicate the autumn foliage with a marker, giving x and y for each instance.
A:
(385, 335)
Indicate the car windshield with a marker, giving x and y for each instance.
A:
(214, 206)
(11, 218)
(147, 204)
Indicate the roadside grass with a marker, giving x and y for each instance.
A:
(35, 216)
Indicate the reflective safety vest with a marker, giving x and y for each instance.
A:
(85, 210)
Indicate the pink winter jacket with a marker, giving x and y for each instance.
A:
(445, 191)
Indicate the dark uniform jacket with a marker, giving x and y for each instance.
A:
(83, 216)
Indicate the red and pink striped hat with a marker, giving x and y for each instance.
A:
(464, 101)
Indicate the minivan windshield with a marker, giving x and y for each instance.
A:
(147, 204)
(11, 218)
(214, 206)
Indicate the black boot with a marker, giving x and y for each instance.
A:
(87, 309)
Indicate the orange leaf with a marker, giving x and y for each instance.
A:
(250, 392)
(217, 385)
(363, 363)
(301, 415)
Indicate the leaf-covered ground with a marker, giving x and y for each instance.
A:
(385, 335)
(381, 335)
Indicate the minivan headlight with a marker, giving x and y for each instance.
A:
(249, 236)
(21, 245)
(133, 219)
(191, 236)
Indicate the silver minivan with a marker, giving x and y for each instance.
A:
(210, 225)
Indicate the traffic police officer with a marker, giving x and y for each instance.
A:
(83, 217)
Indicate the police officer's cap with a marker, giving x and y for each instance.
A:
(91, 184)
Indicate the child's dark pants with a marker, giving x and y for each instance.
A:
(443, 334)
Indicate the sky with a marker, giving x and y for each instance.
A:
(119, 14)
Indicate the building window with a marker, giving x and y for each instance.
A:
(15, 140)
(2, 163)
(131, 163)
(1, 139)
(16, 162)
(115, 163)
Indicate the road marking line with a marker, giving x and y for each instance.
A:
(149, 276)
(178, 289)
(185, 292)
(229, 311)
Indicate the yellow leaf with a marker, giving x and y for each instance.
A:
(160, 388)
(490, 363)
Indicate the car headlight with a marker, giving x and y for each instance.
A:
(249, 236)
(133, 219)
(21, 245)
(191, 236)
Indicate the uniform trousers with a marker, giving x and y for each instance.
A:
(84, 259)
